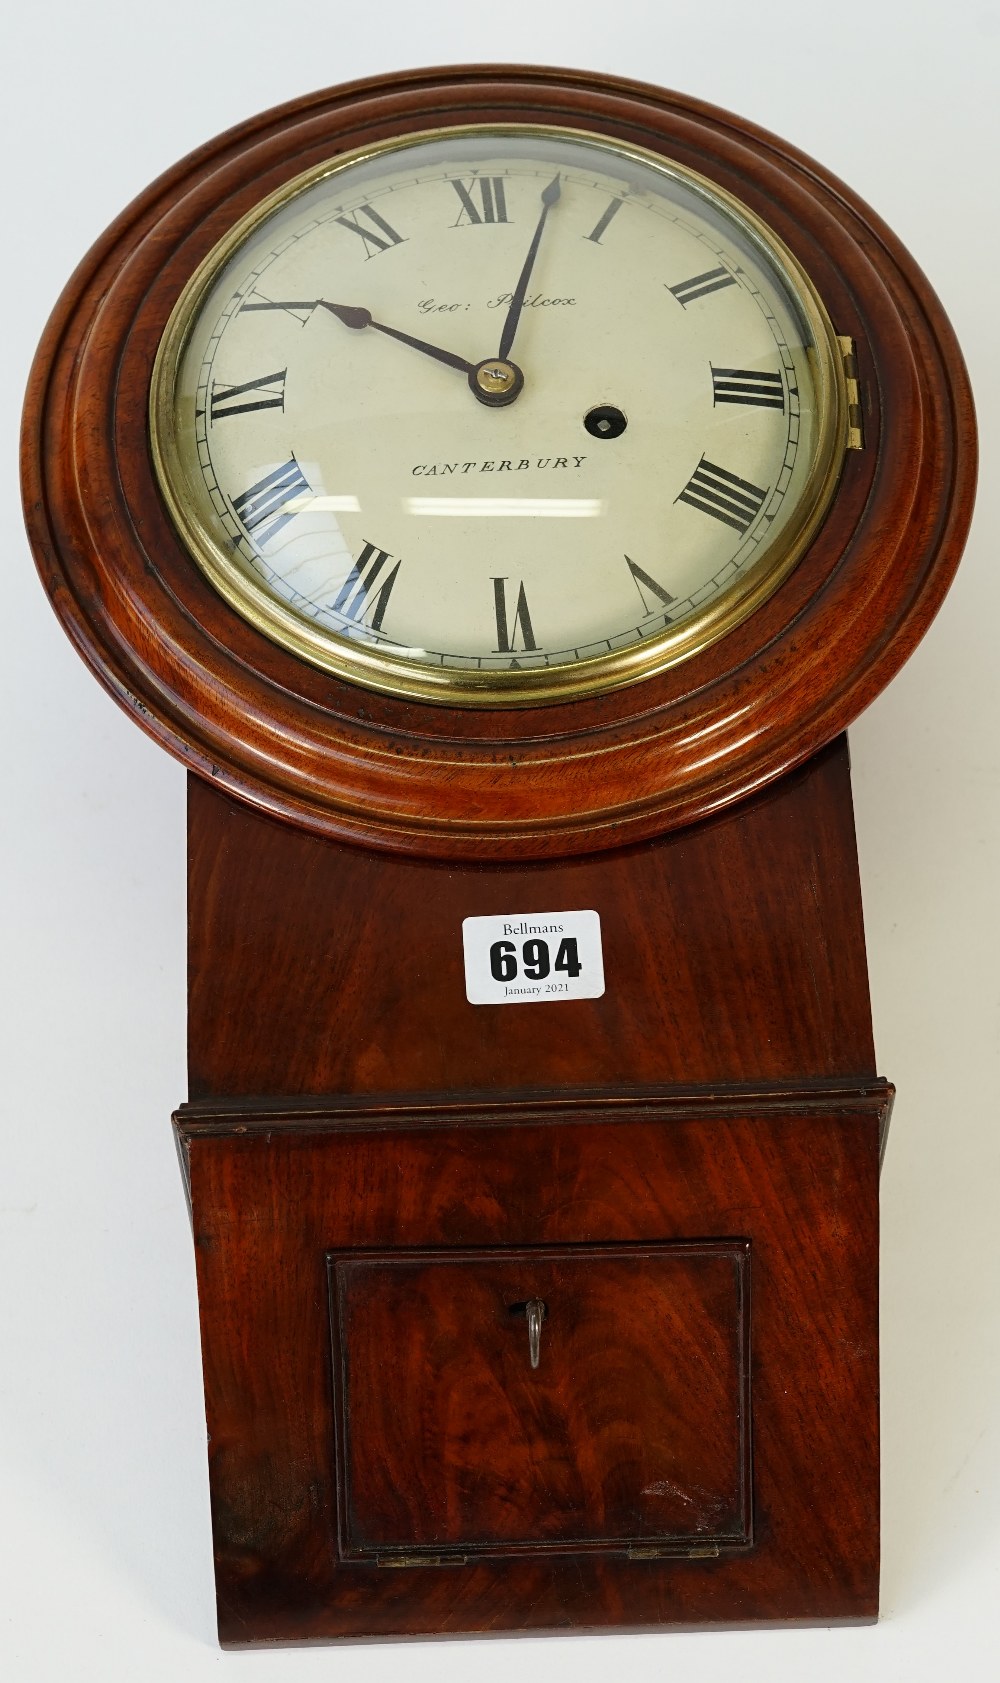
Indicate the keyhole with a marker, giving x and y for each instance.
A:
(534, 1312)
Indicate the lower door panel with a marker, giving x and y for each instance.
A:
(544, 1398)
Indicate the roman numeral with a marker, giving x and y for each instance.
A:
(599, 228)
(358, 593)
(724, 495)
(644, 582)
(374, 243)
(746, 385)
(506, 632)
(226, 400)
(492, 206)
(261, 509)
(699, 285)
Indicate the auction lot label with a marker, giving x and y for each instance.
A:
(533, 958)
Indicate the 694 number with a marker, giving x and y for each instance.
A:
(536, 960)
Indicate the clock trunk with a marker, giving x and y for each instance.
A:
(665, 1197)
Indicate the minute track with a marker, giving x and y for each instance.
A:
(573, 597)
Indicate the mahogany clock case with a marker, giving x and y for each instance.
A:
(669, 1193)
(683, 1172)
(591, 773)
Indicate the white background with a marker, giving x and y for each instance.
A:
(105, 1567)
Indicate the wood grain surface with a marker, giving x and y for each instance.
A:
(611, 1157)
(795, 1177)
(633, 1429)
(733, 951)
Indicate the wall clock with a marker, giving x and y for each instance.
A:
(501, 488)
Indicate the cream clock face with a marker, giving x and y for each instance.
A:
(498, 415)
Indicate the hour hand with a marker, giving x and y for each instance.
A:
(493, 382)
(354, 315)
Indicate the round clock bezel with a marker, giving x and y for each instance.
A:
(355, 765)
(377, 667)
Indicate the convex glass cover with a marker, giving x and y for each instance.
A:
(495, 416)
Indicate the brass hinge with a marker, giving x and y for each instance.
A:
(702, 1551)
(855, 424)
(420, 1560)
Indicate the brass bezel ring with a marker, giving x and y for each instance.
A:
(373, 666)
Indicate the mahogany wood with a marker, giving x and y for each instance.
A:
(273, 1194)
(685, 1170)
(538, 781)
(632, 1431)
(383, 1459)
(734, 952)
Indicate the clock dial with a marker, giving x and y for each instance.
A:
(498, 415)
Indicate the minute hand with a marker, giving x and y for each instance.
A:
(549, 196)
(353, 315)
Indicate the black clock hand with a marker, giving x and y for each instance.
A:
(353, 315)
(549, 196)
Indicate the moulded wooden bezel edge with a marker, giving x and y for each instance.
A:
(545, 781)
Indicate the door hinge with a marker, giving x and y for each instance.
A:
(420, 1560)
(855, 424)
(701, 1551)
